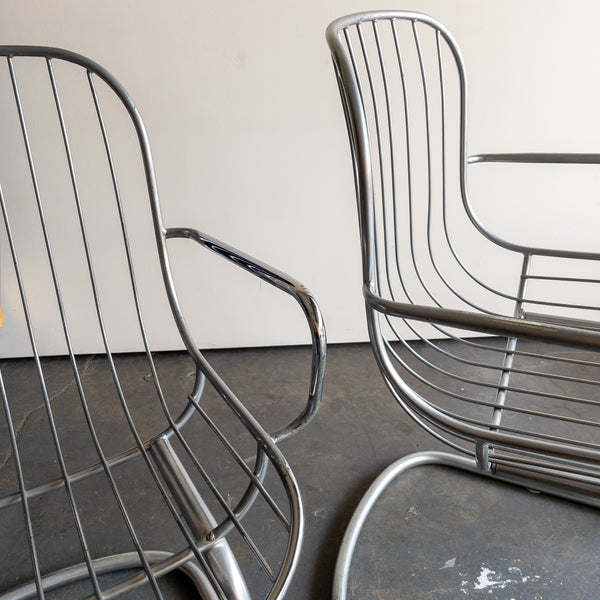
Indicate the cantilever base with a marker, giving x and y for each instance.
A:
(447, 532)
(342, 567)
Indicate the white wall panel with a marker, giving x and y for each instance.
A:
(249, 141)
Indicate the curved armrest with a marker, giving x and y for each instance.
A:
(485, 323)
(539, 158)
(536, 157)
(302, 295)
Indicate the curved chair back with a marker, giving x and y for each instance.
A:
(437, 280)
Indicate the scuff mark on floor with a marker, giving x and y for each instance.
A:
(413, 511)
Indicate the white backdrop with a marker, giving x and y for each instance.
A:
(249, 141)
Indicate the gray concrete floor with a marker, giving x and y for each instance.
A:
(435, 534)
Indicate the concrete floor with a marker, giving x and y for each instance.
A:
(435, 534)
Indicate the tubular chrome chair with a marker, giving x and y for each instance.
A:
(216, 498)
(481, 357)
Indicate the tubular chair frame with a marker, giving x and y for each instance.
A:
(206, 556)
(372, 63)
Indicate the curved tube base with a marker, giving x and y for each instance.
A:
(344, 560)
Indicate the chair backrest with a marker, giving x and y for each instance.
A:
(78, 200)
(84, 246)
(403, 87)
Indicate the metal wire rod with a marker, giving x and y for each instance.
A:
(53, 428)
(174, 426)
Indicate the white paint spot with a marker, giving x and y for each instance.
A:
(483, 581)
(489, 579)
(449, 564)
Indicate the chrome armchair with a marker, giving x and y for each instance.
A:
(219, 501)
(473, 333)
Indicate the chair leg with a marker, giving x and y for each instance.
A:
(348, 545)
(219, 556)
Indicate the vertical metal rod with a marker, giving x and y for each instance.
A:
(197, 464)
(396, 254)
(409, 167)
(175, 427)
(378, 144)
(125, 237)
(57, 445)
(251, 544)
(23, 491)
(168, 500)
(412, 235)
(384, 203)
(511, 345)
(112, 482)
(361, 184)
(24, 497)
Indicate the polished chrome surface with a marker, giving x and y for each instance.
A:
(219, 557)
(517, 414)
(82, 99)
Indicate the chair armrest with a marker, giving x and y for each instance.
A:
(301, 294)
(486, 323)
(536, 157)
(540, 158)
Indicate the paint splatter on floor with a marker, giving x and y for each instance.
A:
(507, 575)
